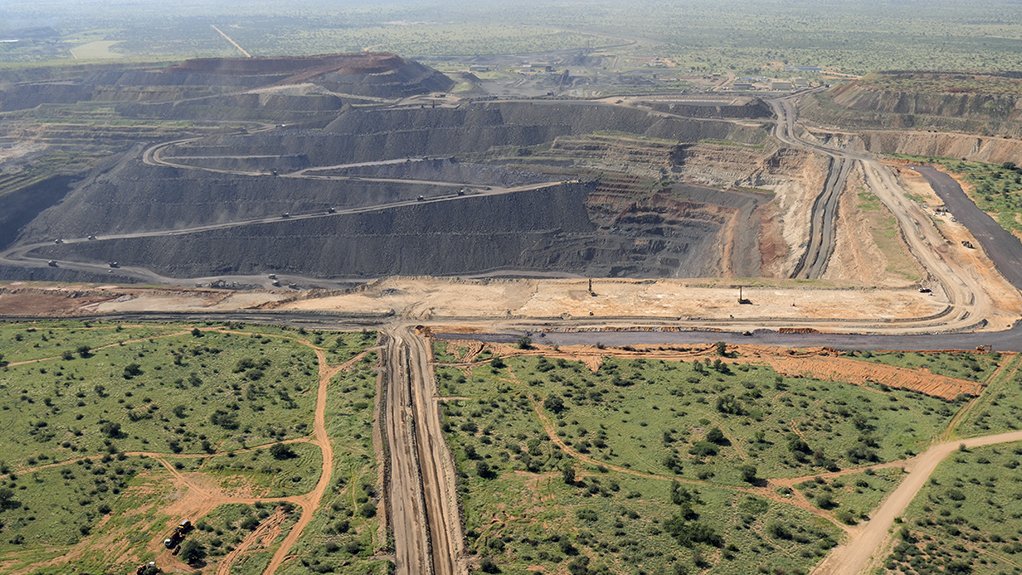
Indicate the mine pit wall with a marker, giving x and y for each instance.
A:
(59, 274)
(19, 208)
(755, 109)
(853, 106)
(446, 170)
(139, 197)
(973, 148)
(135, 197)
(546, 230)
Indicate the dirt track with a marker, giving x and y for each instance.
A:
(865, 550)
(423, 497)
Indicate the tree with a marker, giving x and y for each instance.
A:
(579, 565)
(7, 500)
(716, 436)
(554, 403)
(281, 451)
(688, 532)
(748, 473)
(84, 351)
(525, 342)
(112, 429)
(730, 405)
(193, 553)
(486, 565)
(721, 348)
(132, 370)
(196, 332)
(3, 362)
(483, 470)
(224, 419)
(67, 356)
(568, 474)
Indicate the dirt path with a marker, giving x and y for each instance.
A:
(438, 472)
(263, 535)
(199, 499)
(404, 489)
(866, 549)
(231, 41)
(423, 498)
(1005, 371)
(310, 501)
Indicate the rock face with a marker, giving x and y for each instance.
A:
(184, 90)
(981, 104)
(552, 186)
(554, 230)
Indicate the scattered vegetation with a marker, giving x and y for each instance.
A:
(961, 365)
(996, 188)
(643, 461)
(965, 520)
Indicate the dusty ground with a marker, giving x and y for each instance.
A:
(425, 298)
(857, 255)
(1004, 298)
(66, 300)
(816, 363)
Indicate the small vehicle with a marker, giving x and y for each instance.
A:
(925, 290)
(274, 172)
(747, 333)
(114, 265)
(92, 236)
(285, 215)
(272, 276)
(58, 241)
(420, 199)
(331, 210)
(52, 263)
(275, 283)
(461, 192)
(968, 244)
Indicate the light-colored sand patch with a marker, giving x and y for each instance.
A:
(96, 50)
(668, 299)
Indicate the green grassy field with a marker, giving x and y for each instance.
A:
(886, 235)
(629, 430)
(211, 404)
(972, 366)
(290, 472)
(747, 37)
(207, 393)
(852, 497)
(344, 535)
(999, 409)
(660, 417)
(966, 519)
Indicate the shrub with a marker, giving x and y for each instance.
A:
(132, 370)
(483, 470)
(281, 452)
(554, 404)
(193, 553)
